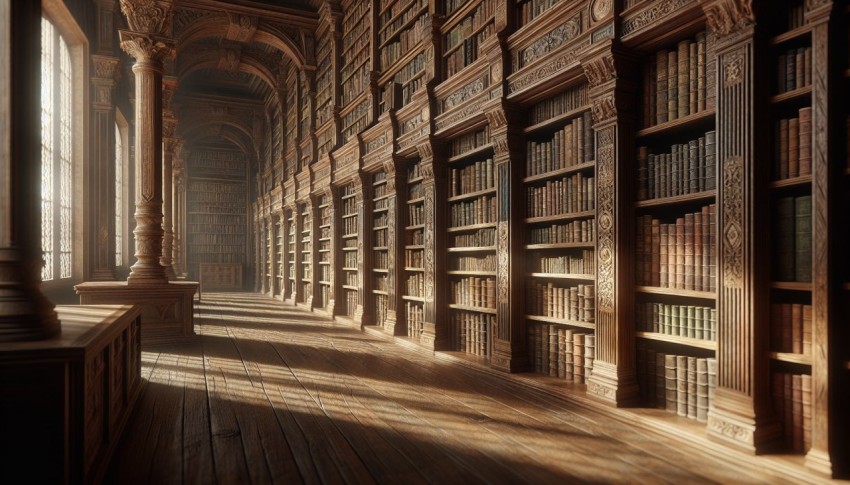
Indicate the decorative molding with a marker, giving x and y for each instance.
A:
(242, 27)
(733, 218)
(463, 94)
(733, 69)
(599, 9)
(604, 108)
(728, 16)
(600, 69)
(144, 47)
(606, 228)
(106, 67)
(730, 430)
(550, 41)
(653, 15)
(559, 64)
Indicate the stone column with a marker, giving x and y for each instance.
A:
(145, 42)
(25, 313)
(103, 169)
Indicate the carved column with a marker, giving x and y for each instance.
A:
(103, 168)
(434, 184)
(741, 410)
(179, 194)
(145, 42)
(170, 145)
(25, 313)
(395, 252)
(509, 349)
(827, 33)
(614, 377)
(364, 314)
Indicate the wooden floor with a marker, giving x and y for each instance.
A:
(273, 394)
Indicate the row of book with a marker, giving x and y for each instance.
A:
(791, 328)
(481, 210)
(467, 53)
(792, 252)
(582, 231)
(569, 100)
(350, 226)
(390, 25)
(200, 224)
(792, 401)
(350, 302)
(576, 303)
(381, 259)
(356, 121)
(214, 238)
(416, 214)
(416, 284)
(203, 189)
(413, 258)
(470, 141)
(413, 171)
(380, 219)
(485, 237)
(680, 255)
(416, 191)
(681, 81)
(691, 321)
(324, 297)
(680, 384)
(477, 176)
(470, 332)
(689, 168)
(306, 289)
(325, 272)
(571, 145)
(379, 238)
(224, 209)
(349, 206)
(355, 78)
(575, 193)
(217, 248)
(793, 142)
(415, 313)
(529, 10)
(474, 291)
(584, 264)
(351, 279)
(417, 237)
(794, 69)
(464, 29)
(561, 352)
(350, 259)
(381, 282)
(474, 263)
(349, 241)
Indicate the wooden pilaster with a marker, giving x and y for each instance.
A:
(434, 184)
(395, 322)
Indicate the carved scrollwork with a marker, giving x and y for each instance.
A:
(604, 108)
(728, 16)
(552, 40)
(733, 218)
(147, 16)
(600, 70)
(143, 47)
(733, 69)
(106, 67)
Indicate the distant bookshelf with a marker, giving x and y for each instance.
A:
(414, 253)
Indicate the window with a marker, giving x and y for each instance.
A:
(56, 156)
(119, 197)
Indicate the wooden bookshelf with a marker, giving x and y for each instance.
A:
(471, 275)
(216, 222)
(325, 253)
(413, 286)
(380, 249)
(350, 239)
(464, 31)
(291, 249)
(306, 248)
(280, 249)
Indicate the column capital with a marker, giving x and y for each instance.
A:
(727, 17)
(147, 47)
(148, 16)
(106, 67)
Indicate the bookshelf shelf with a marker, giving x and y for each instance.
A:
(415, 226)
(791, 285)
(564, 276)
(472, 195)
(349, 287)
(380, 292)
(801, 181)
(655, 290)
(791, 358)
(415, 270)
(471, 249)
(417, 200)
(708, 195)
(470, 308)
(550, 124)
(793, 95)
(804, 30)
(417, 299)
(581, 167)
(678, 125)
(415, 246)
(570, 245)
(471, 227)
(380, 270)
(560, 321)
(413, 18)
(412, 284)
(674, 339)
(349, 249)
(476, 152)
(561, 217)
(471, 273)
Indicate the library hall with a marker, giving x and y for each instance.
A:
(424, 241)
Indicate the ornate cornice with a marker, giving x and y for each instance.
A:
(106, 67)
(600, 70)
(729, 16)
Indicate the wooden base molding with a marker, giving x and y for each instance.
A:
(612, 388)
(64, 401)
(167, 310)
(739, 428)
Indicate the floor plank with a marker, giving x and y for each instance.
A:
(269, 393)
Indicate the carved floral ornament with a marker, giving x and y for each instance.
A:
(106, 67)
(600, 70)
(144, 47)
(147, 16)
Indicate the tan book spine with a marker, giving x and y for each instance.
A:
(683, 85)
(805, 141)
(793, 147)
(578, 358)
(796, 328)
(672, 85)
(797, 413)
(783, 148)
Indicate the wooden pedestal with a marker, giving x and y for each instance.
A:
(64, 401)
(166, 309)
